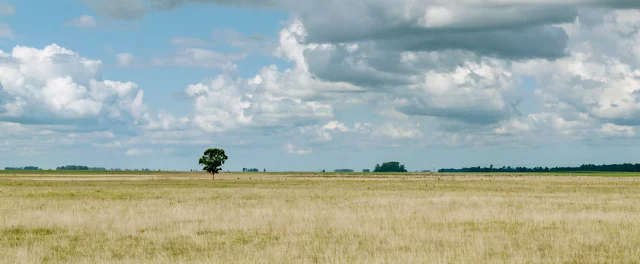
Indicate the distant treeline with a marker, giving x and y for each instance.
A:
(72, 168)
(79, 168)
(27, 168)
(85, 168)
(627, 167)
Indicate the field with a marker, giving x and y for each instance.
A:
(60, 217)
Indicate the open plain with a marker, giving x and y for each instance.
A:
(164, 217)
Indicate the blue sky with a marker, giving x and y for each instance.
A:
(299, 86)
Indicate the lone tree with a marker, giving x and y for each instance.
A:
(212, 161)
(393, 166)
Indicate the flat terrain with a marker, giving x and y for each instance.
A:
(59, 217)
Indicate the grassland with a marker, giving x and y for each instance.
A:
(319, 218)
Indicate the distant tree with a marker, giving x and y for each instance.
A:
(213, 160)
(393, 166)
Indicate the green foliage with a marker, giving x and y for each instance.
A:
(213, 160)
(393, 166)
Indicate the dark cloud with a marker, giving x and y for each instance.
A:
(469, 114)
(537, 42)
(373, 70)
(507, 30)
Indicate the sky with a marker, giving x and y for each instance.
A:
(306, 85)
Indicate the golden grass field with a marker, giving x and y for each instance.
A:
(323, 218)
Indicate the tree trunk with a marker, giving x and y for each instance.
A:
(213, 174)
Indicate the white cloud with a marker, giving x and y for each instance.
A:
(398, 131)
(84, 21)
(513, 127)
(7, 9)
(601, 79)
(335, 125)
(5, 31)
(273, 98)
(138, 152)
(473, 93)
(326, 132)
(292, 149)
(124, 59)
(617, 131)
(57, 86)
(449, 85)
(225, 104)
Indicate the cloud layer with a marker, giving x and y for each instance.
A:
(516, 29)
(362, 73)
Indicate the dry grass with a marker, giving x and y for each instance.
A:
(292, 218)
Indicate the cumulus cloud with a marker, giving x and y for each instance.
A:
(84, 21)
(124, 59)
(294, 150)
(472, 93)
(398, 131)
(450, 85)
(225, 103)
(138, 152)
(601, 79)
(336, 126)
(617, 131)
(324, 133)
(272, 98)
(55, 85)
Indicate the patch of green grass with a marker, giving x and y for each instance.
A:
(24, 235)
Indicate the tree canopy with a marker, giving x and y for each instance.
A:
(213, 160)
(392, 166)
